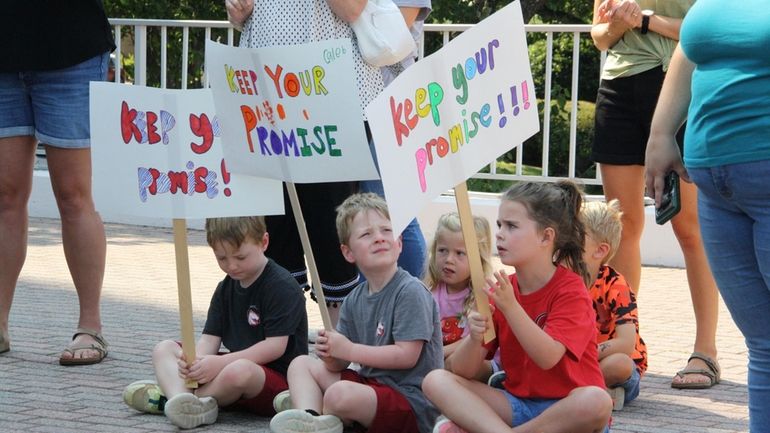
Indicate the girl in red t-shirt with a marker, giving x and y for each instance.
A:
(544, 323)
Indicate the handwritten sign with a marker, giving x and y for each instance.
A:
(450, 114)
(157, 152)
(291, 112)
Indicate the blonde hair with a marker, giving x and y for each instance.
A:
(556, 205)
(603, 222)
(451, 222)
(354, 205)
(235, 230)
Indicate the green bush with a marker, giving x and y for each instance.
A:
(558, 155)
(488, 185)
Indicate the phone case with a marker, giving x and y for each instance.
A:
(671, 203)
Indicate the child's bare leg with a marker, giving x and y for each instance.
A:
(351, 401)
(616, 368)
(239, 379)
(165, 359)
(308, 378)
(472, 405)
(585, 409)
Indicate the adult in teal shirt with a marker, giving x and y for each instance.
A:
(640, 37)
(722, 71)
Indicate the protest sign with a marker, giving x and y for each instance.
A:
(157, 152)
(291, 112)
(454, 112)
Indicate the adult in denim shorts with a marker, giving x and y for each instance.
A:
(51, 51)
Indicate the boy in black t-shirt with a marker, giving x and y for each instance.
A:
(257, 312)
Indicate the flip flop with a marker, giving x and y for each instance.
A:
(99, 345)
(713, 372)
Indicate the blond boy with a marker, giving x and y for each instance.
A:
(622, 352)
(388, 324)
(257, 312)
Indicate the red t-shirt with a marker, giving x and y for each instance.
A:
(563, 310)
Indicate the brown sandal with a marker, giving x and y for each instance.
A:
(713, 372)
(5, 342)
(99, 345)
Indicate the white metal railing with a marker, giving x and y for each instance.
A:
(137, 31)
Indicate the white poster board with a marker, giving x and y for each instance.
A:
(454, 112)
(291, 113)
(158, 153)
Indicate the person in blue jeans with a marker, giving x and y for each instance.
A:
(720, 81)
(412, 258)
(51, 50)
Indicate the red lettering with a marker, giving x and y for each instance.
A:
(201, 127)
(398, 126)
(152, 130)
(128, 126)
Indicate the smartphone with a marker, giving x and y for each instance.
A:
(670, 202)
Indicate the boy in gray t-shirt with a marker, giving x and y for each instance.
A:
(389, 325)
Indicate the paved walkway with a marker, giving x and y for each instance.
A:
(139, 309)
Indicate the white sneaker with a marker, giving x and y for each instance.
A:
(282, 401)
(188, 411)
(618, 395)
(445, 425)
(300, 421)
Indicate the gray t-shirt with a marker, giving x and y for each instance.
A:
(403, 310)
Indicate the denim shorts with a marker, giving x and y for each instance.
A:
(51, 105)
(526, 409)
(631, 386)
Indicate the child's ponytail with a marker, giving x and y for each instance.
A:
(569, 248)
(556, 206)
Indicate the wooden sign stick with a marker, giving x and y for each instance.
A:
(185, 298)
(474, 257)
(315, 279)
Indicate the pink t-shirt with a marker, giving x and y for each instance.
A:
(450, 309)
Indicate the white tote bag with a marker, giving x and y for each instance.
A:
(383, 37)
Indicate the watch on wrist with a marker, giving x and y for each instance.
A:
(646, 15)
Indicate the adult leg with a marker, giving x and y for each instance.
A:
(735, 222)
(703, 288)
(82, 236)
(626, 184)
(15, 188)
(472, 405)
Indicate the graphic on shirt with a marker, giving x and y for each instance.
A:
(380, 329)
(253, 316)
(452, 328)
(540, 319)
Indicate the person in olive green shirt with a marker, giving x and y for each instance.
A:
(640, 37)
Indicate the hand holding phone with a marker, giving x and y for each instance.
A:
(670, 201)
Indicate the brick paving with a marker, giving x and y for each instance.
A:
(139, 309)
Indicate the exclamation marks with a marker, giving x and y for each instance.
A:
(503, 120)
(525, 94)
(225, 178)
(514, 103)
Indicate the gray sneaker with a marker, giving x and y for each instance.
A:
(189, 411)
(300, 421)
(282, 401)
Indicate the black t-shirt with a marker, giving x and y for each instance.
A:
(273, 306)
(43, 35)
